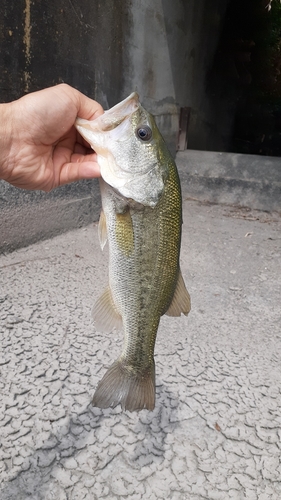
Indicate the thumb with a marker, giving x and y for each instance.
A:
(86, 108)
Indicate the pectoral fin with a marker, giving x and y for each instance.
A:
(181, 299)
(102, 230)
(105, 314)
(124, 232)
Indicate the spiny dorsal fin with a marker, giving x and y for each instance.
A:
(102, 230)
(181, 299)
(105, 314)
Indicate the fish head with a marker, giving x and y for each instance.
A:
(130, 150)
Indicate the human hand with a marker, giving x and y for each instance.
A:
(39, 146)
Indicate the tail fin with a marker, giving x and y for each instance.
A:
(120, 385)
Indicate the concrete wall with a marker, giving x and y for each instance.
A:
(80, 42)
(161, 48)
(106, 49)
(31, 216)
(230, 178)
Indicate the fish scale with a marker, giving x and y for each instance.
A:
(143, 230)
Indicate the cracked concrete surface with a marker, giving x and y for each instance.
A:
(216, 430)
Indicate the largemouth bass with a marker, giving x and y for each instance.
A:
(141, 218)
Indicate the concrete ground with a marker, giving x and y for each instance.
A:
(216, 430)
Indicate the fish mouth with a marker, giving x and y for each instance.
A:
(112, 117)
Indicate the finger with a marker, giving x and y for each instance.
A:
(79, 168)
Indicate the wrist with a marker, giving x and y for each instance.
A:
(6, 139)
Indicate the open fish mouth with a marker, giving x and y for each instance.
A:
(112, 117)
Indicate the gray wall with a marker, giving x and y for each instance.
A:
(30, 216)
(106, 49)
(81, 42)
(163, 49)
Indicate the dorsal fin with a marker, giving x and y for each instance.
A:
(181, 299)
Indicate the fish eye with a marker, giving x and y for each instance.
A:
(144, 133)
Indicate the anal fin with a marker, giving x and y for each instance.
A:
(181, 299)
(105, 314)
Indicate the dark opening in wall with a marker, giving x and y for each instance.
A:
(247, 73)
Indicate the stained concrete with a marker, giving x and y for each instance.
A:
(108, 49)
(215, 432)
(82, 43)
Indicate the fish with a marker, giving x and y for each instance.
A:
(141, 219)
